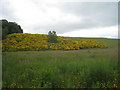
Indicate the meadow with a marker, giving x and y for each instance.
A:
(83, 68)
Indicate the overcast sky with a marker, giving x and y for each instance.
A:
(75, 19)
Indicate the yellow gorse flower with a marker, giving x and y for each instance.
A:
(25, 41)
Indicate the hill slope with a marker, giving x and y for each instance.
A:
(25, 41)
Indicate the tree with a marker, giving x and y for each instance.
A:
(49, 33)
(52, 37)
(9, 28)
(54, 33)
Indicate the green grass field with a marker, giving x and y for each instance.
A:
(85, 68)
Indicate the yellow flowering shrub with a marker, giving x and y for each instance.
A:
(25, 41)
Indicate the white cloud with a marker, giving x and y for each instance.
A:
(44, 13)
(74, 19)
(91, 0)
(33, 13)
(107, 32)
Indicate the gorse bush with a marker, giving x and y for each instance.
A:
(25, 41)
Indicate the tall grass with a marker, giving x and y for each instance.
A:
(85, 68)
(92, 68)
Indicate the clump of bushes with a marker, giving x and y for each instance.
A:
(9, 28)
(52, 37)
(25, 41)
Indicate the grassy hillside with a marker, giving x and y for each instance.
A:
(110, 42)
(93, 68)
(36, 42)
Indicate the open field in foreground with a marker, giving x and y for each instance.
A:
(94, 68)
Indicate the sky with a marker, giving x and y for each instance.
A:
(67, 18)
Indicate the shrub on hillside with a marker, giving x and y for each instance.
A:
(25, 41)
(52, 37)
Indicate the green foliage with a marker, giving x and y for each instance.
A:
(25, 41)
(86, 68)
(9, 28)
(52, 37)
(61, 69)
